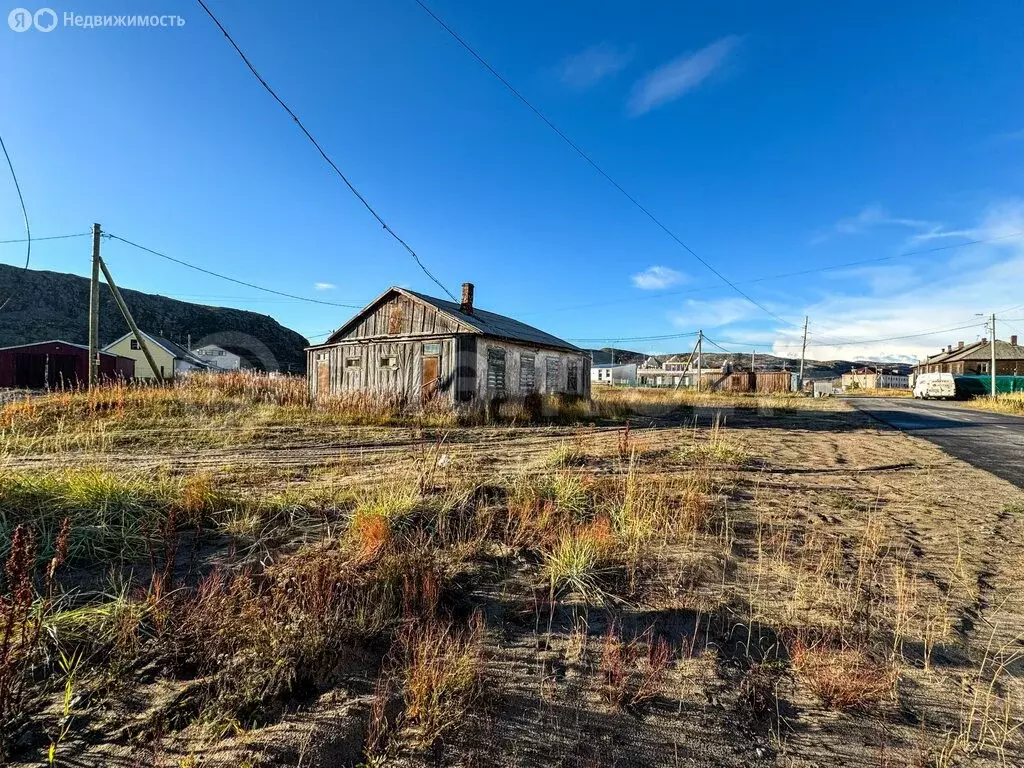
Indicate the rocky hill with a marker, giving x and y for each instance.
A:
(813, 369)
(52, 305)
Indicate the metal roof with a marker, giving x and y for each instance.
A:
(493, 324)
(172, 349)
(483, 322)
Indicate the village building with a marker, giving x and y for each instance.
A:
(874, 378)
(976, 359)
(220, 359)
(421, 347)
(57, 364)
(172, 360)
(619, 374)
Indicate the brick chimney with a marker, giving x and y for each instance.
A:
(959, 345)
(467, 299)
(1013, 340)
(984, 339)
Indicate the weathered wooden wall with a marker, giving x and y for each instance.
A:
(401, 316)
(774, 381)
(514, 353)
(365, 371)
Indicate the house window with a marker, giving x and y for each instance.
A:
(134, 343)
(572, 384)
(527, 373)
(389, 362)
(352, 362)
(431, 350)
(496, 370)
(551, 374)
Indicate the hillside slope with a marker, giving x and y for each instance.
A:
(52, 305)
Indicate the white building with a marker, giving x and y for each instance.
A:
(619, 373)
(219, 358)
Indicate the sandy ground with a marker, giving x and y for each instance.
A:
(825, 474)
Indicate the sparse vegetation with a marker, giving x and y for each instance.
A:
(424, 578)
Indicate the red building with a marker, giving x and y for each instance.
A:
(56, 365)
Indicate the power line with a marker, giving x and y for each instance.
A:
(323, 154)
(898, 338)
(637, 338)
(40, 239)
(593, 163)
(24, 210)
(229, 279)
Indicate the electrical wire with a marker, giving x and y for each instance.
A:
(636, 338)
(323, 154)
(593, 163)
(24, 210)
(40, 239)
(230, 279)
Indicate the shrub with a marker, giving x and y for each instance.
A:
(842, 679)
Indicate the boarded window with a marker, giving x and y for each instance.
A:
(431, 350)
(353, 362)
(551, 374)
(395, 319)
(389, 362)
(496, 370)
(527, 373)
(572, 383)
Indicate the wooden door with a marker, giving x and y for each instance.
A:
(323, 377)
(431, 374)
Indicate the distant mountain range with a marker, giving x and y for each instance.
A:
(52, 305)
(813, 369)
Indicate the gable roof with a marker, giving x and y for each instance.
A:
(103, 351)
(481, 321)
(982, 350)
(174, 350)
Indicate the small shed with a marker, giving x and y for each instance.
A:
(57, 364)
(421, 348)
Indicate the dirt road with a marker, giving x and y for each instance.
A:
(989, 441)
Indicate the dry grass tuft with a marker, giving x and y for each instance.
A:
(843, 679)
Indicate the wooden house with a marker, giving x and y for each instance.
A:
(173, 360)
(420, 347)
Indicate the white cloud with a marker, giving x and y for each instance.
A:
(680, 76)
(938, 297)
(588, 68)
(712, 313)
(656, 278)
(324, 286)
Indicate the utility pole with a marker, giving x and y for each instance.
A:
(131, 323)
(992, 347)
(752, 353)
(803, 355)
(700, 357)
(94, 310)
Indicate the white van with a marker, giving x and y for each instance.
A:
(934, 385)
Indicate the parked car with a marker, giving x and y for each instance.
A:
(937, 386)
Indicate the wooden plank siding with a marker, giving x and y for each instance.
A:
(357, 365)
(398, 328)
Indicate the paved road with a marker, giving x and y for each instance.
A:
(991, 441)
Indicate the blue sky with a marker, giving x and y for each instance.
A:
(770, 138)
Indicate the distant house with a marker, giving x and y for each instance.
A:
(421, 347)
(976, 359)
(172, 359)
(221, 359)
(57, 364)
(622, 373)
(652, 363)
(676, 363)
(874, 378)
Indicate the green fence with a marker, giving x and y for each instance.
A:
(975, 386)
